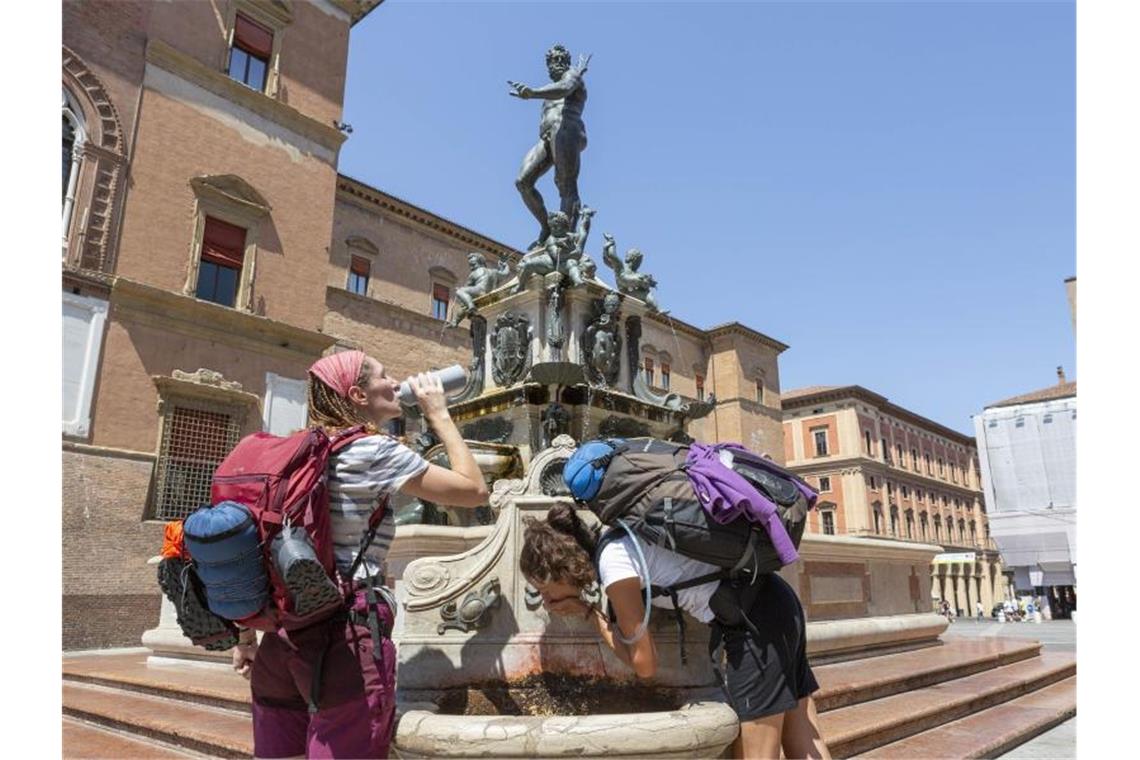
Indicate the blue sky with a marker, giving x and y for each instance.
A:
(886, 187)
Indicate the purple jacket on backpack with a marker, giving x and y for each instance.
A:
(726, 495)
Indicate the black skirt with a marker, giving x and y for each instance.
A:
(768, 674)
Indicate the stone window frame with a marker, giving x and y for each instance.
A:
(206, 390)
(358, 245)
(825, 514)
(699, 384)
(894, 520)
(877, 517)
(273, 15)
(937, 522)
(868, 444)
(908, 521)
(74, 114)
(924, 525)
(231, 199)
(90, 225)
(664, 362)
(822, 489)
(815, 431)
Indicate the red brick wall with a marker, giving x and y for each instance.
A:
(110, 595)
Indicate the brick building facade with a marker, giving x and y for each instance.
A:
(211, 252)
(885, 472)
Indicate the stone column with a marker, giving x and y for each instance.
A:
(987, 587)
(971, 591)
(961, 599)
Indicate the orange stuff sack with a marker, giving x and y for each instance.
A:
(172, 540)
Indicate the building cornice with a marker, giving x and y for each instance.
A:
(357, 9)
(176, 62)
(885, 406)
(736, 328)
(390, 205)
(98, 282)
(146, 303)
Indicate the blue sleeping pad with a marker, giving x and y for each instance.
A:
(222, 540)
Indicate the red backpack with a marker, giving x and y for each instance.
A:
(281, 481)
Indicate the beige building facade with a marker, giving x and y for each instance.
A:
(884, 471)
(211, 252)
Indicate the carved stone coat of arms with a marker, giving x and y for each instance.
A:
(510, 348)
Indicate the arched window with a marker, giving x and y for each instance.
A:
(938, 527)
(924, 526)
(877, 512)
(894, 521)
(828, 518)
(910, 524)
(74, 136)
(962, 530)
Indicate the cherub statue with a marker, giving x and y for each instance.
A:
(601, 341)
(561, 252)
(630, 282)
(481, 281)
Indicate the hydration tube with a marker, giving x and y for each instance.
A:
(644, 625)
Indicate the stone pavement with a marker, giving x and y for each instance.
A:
(1055, 744)
(1054, 635)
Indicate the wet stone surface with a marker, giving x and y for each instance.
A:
(544, 695)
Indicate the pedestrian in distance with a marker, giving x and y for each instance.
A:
(768, 681)
(328, 689)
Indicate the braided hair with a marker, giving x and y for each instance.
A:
(561, 548)
(331, 411)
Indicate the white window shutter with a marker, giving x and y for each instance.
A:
(286, 407)
(83, 319)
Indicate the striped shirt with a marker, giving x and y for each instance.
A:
(359, 475)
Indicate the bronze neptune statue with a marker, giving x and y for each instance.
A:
(561, 138)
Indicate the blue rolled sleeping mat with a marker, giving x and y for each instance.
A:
(222, 540)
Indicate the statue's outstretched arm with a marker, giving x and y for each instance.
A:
(553, 91)
(609, 252)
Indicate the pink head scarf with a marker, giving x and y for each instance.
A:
(339, 371)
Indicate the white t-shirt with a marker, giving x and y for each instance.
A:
(359, 475)
(618, 561)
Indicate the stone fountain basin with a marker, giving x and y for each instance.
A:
(701, 727)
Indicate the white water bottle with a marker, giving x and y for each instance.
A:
(453, 378)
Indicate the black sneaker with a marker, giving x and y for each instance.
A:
(204, 628)
(310, 587)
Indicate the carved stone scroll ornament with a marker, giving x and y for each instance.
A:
(601, 341)
(506, 491)
(510, 348)
(435, 581)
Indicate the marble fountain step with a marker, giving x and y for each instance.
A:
(995, 693)
(859, 728)
(991, 732)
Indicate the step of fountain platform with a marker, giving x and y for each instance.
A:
(861, 727)
(855, 681)
(992, 732)
(83, 740)
(214, 731)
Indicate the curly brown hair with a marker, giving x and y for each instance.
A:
(561, 548)
(332, 411)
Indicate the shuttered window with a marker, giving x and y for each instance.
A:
(440, 296)
(223, 251)
(250, 53)
(358, 273)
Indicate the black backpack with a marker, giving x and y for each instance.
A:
(645, 490)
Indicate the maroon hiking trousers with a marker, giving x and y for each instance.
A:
(356, 700)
